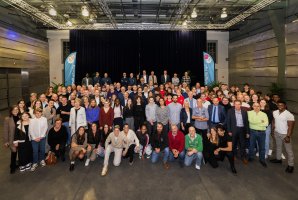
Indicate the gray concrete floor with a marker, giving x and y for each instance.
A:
(144, 180)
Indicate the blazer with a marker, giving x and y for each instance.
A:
(9, 132)
(96, 80)
(76, 121)
(154, 79)
(164, 80)
(232, 123)
(84, 81)
(221, 114)
(183, 116)
(46, 112)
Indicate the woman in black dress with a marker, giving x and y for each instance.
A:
(139, 113)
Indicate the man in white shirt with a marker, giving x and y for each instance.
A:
(133, 143)
(282, 127)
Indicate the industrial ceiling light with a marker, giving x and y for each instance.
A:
(85, 11)
(194, 13)
(224, 13)
(184, 23)
(52, 11)
(68, 23)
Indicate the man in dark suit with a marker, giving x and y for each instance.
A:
(124, 80)
(87, 80)
(106, 79)
(132, 80)
(96, 78)
(145, 76)
(165, 77)
(237, 127)
(216, 114)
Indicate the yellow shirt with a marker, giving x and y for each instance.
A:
(257, 121)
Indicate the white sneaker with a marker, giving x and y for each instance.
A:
(283, 156)
(42, 163)
(270, 152)
(257, 154)
(33, 167)
(87, 162)
(198, 167)
(104, 171)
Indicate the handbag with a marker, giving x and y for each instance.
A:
(51, 159)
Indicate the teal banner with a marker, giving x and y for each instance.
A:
(208, 68)
(70, 69)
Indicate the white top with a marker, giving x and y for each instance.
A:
(246, 105)
(117, 111)
(38, 128)
(131, 138)
(281, 121)
(188, 117)
(206, 104)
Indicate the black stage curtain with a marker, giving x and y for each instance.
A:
(115, 52)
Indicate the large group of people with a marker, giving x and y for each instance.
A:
(150, 118)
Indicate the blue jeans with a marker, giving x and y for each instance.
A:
(259, 137)
(196, 156)
(155, 156)
(66, 124)
(38, 150)
(267, 140)
(180, 156)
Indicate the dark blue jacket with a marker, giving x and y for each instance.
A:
(221, 114)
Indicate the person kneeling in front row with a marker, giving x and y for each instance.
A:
(115, 142)
(160, 145)
(78, 146)
(194, 148)
(176, 145)
(218, 147)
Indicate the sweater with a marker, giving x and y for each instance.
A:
(119, 142)
(131, 138)
(59, 137)
(92, 114)
(176, 142)
(106, 118)
(196, 143)
(151, 112)
(38, 128)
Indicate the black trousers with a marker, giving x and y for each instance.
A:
(13, 160)
(239, 137)
(203, 133)
(138, 122)
(151, 128)
(60, 152)
(212, 159)
(25, 153)
(118, 121)
(186, 127)
(130, 152)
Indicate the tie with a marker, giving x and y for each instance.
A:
(214, 113)
(87, 81)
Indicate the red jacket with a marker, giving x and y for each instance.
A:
(177, 142)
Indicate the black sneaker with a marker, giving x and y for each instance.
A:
(71, 167)
(233, 170)
(275, 161)
(290, 169)
(263, 163)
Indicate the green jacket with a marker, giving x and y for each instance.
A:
(194, 144)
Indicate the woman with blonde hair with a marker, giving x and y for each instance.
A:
(77, 116)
